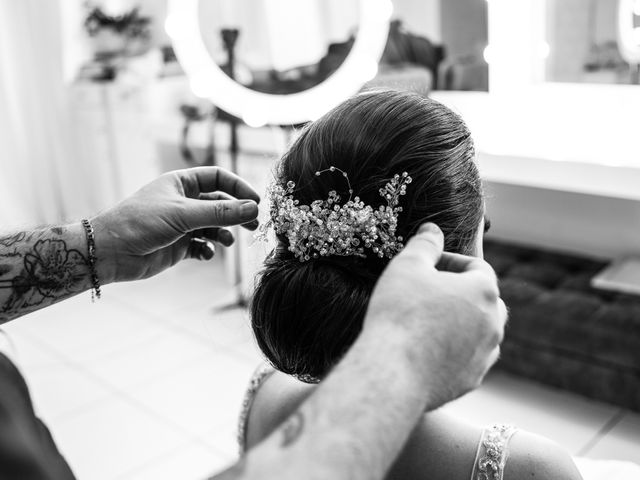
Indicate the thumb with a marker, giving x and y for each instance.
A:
(218, 213)
(428, 244)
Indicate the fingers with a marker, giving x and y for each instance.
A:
(454, 262)
(474, 268)
(457, 263)
(253, 225)
(201, 246)
(215, 196)
(499, 322)
(220, 235)
(494, 356)
(200, 214)
(484, 281)
(503, 316)
(211, 179)
(201, 249)
(428, 243)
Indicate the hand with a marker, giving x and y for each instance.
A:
(172, 218)
(450, 320)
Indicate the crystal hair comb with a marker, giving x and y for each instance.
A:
(326, 228)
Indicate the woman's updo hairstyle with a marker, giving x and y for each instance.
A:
(305, 315)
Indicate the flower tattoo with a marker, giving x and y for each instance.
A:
(54, 270)
(38, 268)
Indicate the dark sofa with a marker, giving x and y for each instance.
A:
(563, 332)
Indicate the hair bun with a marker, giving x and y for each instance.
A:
(366, 268)
(306, 314)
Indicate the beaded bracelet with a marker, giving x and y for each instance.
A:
(91, 247)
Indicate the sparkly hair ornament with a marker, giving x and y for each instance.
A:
(326, 228)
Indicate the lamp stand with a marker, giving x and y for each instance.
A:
(229, 40)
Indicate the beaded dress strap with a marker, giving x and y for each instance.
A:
(260, 375)
(492, 453)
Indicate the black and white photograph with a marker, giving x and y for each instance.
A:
(319, 239)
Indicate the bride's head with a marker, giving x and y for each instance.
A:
(306, 314)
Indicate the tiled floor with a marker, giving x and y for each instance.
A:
(146, 383)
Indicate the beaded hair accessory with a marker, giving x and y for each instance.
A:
(326, 228)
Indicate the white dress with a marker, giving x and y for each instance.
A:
(491, 455)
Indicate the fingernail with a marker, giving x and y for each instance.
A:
(226, 237)
(252, 225)
(249, 207)
(429, 228)
(207, 252)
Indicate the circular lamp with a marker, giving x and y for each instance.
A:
(207, 80)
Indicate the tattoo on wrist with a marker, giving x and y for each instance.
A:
(38, 268)
(292, 429)
(11, 240)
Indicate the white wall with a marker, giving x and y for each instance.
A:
(340, 19)
(420, 16)
(464, 27)
(588, 224)
(295, 36)
(569, 37)
(574, 27)
(605, 21)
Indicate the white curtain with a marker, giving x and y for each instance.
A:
(38, 181)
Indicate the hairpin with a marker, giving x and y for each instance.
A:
(327, 228)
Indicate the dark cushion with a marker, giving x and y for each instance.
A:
(562, 331)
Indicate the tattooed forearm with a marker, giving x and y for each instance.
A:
(40, 268)
(11, 240)
(290, 431)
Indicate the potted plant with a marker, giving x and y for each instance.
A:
(126, 34)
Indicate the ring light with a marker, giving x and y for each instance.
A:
(207, 80)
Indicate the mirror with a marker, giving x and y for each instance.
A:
(281, 46)
(448, 38)
(280, 107)
(593, 41)
(288, 46)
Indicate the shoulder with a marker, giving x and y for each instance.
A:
(440, 445)
(535, 456)
(444, 447)
(277, 398)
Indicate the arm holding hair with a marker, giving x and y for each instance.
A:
(141, 236)
(410, 357)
